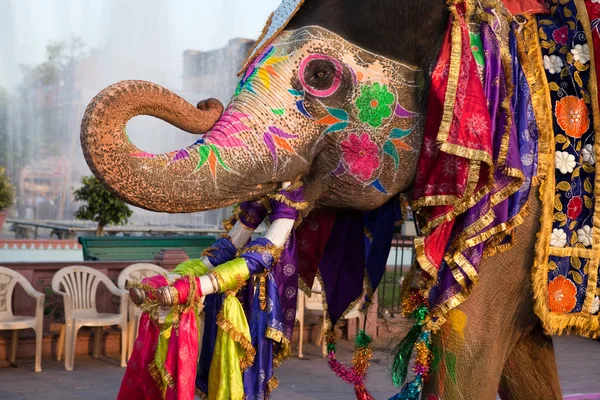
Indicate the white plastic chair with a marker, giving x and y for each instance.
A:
(8, 321)
(313, 305)
(80, 285)
(135, 273)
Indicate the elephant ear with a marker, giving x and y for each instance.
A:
(275, 24)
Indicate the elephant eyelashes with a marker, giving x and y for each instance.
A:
(320, 75)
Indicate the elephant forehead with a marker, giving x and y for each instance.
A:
(304, 42)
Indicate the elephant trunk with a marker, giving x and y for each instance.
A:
(169, 182)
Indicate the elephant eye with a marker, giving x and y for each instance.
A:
(320, 75)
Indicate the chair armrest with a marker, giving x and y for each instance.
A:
(39, 306)
(67, 301)
(115, 290)
(31, 292)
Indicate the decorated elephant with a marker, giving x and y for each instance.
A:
(483, 113)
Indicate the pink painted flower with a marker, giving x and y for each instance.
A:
(361, 155)
(561, 35)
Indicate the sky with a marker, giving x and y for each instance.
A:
(145, 37)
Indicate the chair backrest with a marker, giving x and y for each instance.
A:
(139, 271)
(8, 280)
(315, 301)
(81, 283)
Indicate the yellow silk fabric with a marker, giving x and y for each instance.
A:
(232, 274)
(194, 267)
(231, 354)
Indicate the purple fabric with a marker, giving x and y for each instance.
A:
(252, 213)
(221, 251)
(380, 223)
(342, 266)
(285, 272)
(258, 261)
(520, 156)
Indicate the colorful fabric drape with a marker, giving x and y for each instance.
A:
(250, 214)
(565, 273)
(473, 187)
(139, 382)
(518, 7)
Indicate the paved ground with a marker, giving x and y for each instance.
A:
(309, 378)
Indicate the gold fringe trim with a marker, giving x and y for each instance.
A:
(148, 306)
(162, 378)
(269, 248)
(201, 394)
(262, 294)
(272, 384)
(530, 55)
(328, 325)
(247, 360)
(302, 205)
(304, 287)
(453, 76)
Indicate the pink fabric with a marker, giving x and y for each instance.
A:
(526, 6)
(182, 355)
(137, 383)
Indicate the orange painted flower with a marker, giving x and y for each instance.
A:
(572, 116)
(561, 295)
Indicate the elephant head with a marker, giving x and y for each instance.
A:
(334, 100)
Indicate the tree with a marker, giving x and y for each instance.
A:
(102, 206)
(7, 192)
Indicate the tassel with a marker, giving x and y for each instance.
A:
(410, 391)
(362, 393)
(403, 351)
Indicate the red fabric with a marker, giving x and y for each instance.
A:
(593, 10)
(526, 6)
(443, 177)
(182, 355)
(312, 236)
(137, 383)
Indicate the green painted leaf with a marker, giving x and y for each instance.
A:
(204, 151)
(217, 152)
(278, 111)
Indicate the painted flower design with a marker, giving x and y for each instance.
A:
(564, 162)
(596, 302)
(574, 207)
(581, 53)
(561, 295)
(587, 153)
(361, 155)
(561, 35)
(558, 238)
(553, 64)
(572, 116)
(584, 235)
(374, 104)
